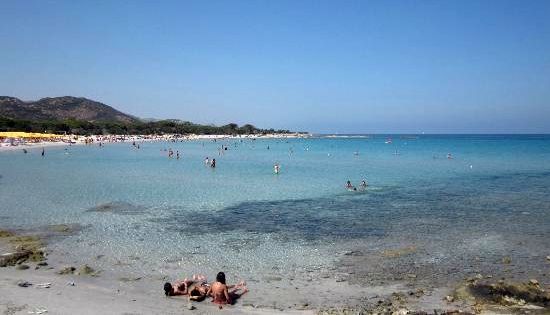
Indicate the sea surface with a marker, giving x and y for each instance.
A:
(142, 213)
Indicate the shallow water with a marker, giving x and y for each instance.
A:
(148, 214)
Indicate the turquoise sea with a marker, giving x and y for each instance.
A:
(141, 212)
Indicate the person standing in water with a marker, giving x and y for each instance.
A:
(276, 168)
(43, 152)
(363, 185)
(207, 161)
(213, 164)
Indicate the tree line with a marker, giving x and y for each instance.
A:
(82, 127)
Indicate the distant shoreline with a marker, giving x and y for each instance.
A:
(79, 140)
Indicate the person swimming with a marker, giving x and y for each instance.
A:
(363, 185)
(349, 186)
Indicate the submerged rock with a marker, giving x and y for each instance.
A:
(508, 300)
(25, 247)
(504, 293)
(272, 278)
(11, 259)
(127, 279)
(61, 228)
(353, 253)
(87, 270)
(394, 253)
(67, 270)
(32, 245)
(118, 207)
(5, 234)
(22, 267)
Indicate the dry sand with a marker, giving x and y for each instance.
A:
(96, 296)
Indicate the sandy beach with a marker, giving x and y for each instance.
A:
(45, 286)
(93, 296)
(70, 294)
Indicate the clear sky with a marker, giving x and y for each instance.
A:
(323, 66)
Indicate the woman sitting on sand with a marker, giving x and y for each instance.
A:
(219, 291)
(183, 287)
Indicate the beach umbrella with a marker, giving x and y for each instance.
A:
(20, 134)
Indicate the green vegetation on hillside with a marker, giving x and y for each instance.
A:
(82, 127)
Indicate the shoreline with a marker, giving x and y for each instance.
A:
(38, 145)
(69, 140)
(108, 292)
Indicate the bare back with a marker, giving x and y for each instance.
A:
(219, 293)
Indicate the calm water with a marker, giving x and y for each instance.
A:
(168, 216)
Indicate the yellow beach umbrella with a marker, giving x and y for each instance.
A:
(20, 134)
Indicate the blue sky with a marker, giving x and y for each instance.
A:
(322, 66)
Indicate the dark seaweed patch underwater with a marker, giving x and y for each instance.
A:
(478, 203)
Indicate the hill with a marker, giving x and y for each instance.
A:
(61, 108)
(77, 115)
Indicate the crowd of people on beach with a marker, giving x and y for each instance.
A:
(198, 289)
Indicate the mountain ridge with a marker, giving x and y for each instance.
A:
(61, 108)
(79, 115)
